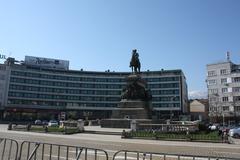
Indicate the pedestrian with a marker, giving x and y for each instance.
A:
(222, 136)
(225, 136)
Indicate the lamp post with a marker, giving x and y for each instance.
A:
(223, 119)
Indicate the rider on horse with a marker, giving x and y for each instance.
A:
(135, 63)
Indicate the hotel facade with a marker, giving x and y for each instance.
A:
(43, 88)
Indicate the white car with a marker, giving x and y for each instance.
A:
(38, 122)
(52, 123)
(214, 127)
(235, 132)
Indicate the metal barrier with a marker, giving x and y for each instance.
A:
(42, 151)
(135, 155)
(46, 151)
(8, 149)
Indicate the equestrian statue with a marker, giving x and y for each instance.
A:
(135, 62)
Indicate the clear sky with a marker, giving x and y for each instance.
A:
(100, 34)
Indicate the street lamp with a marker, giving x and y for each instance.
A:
(223, 119)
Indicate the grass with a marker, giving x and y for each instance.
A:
(54, 130)
(198, 136)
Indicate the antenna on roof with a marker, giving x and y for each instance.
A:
(228, 56)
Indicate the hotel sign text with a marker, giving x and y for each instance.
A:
(2, 56)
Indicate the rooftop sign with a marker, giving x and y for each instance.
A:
(47, 62)
(2, 56)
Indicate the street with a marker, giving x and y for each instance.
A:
(114, 143)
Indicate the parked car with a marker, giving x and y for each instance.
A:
(225, 128)
(235, 132)
(214, 127)
(44, 122)
(52, 123)
(38, 122)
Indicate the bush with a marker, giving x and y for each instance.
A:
(212, 136)
(202, 127)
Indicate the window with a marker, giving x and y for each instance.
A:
(210, 108)
(100, 86)
(152, 79)
(224, 90)
(61, 84)
(2, 68)
(223, 80)
(114, 92)
(236, 89)
(236, 108)
(31, 81)
(101, 80)
(214, 108)
(48, 83)
(32, 75)
(236, 98)
(29, 88)
(113, 86)
(114, 80)
(167, 85)
(213, 91)
(225, 108)
(223, 71)
(211, 73)
(212, 82)
(236, 79)
(213, 99)
(225, 99)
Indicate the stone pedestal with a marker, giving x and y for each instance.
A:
(132, 109)
(127, 112)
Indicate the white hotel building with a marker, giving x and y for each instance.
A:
(43, 87)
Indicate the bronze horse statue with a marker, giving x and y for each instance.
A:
(135, 62)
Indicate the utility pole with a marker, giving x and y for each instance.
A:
(223, 119)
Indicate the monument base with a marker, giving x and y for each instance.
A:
(132, 109)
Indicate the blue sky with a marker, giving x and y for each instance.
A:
(100, 34)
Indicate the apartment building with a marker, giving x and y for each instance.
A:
(223, 83)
